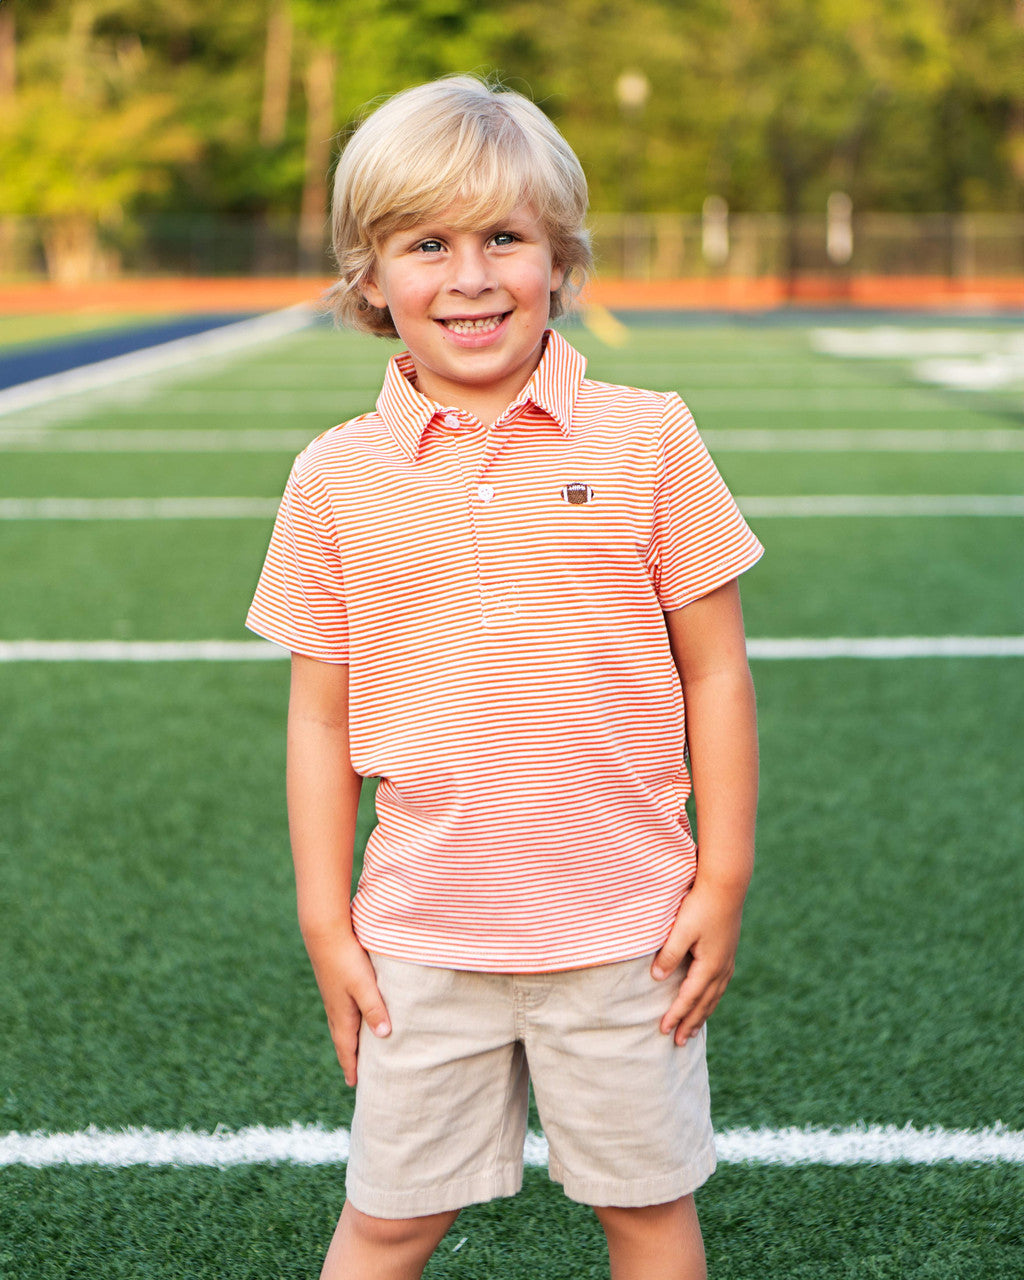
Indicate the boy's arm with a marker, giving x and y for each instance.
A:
(710, 652)
(323, 798)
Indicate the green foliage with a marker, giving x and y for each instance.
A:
(124, 106)
(65, 158)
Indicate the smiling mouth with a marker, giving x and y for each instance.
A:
(484, 324)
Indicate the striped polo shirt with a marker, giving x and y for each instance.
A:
(497, 593)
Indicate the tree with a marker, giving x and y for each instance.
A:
(352, 53)
(115, 110)
(77, 151)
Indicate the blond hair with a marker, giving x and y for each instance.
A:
(454, 139)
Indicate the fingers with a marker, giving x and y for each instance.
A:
(696, 1000)
(682, 939)
(668, 959)
(703, 940)
(361, 1002)
(374, 1013)
(345, 1034)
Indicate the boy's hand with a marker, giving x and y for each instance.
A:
(707, 929)
(348, 985)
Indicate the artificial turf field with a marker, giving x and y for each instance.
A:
(154, 975)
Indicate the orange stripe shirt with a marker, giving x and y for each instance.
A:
(497, 594)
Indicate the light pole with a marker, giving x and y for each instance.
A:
(632, 89)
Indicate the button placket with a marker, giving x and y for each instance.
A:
(499, 597)
(498, 601)
(464, 470)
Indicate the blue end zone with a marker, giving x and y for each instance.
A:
(39, 361)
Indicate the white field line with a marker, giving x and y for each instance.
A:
(865, 440)
(887, 400)
(991, 372)
(83, 440)
(137, 508)
(797, 648)
(896, 342)
(156, 359)
(275, 400)
(139, 651)
(964, 359)
(903, 504)
(223, 400)
(888, 647)
(740, 440)
(314, 1145)
(808, 506)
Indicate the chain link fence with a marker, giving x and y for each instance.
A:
(715, 244)
(754, 245)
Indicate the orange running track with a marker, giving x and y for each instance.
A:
(166, 295)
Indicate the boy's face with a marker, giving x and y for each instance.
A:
(471, 306)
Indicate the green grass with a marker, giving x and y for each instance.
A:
(872, 473)
(175, 579)
(137, 580)
(152, 842)
(153, 970)
(892, 576)
(143, 475)
(271, 1224)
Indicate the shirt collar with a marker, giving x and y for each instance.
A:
(554, 387)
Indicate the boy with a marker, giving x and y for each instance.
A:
(499, 589)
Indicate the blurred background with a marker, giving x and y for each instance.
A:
(794, 149)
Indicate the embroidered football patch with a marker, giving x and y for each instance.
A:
(577, 493)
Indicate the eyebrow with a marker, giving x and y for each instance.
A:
(513, 219)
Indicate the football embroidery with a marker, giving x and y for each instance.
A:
(577, 493)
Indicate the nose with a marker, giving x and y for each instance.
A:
(471, 273)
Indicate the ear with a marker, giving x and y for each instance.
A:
(557, 277)
(371, 292)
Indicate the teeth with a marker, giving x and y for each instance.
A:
(484, 325)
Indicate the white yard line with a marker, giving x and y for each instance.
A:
(139, 651)
(137, 508)
(314, 1145)
(888, 400)
(158, 359)
(797, 648)
(806, 506)
(899, 342)
(83, 440)
(258, 402)
(991, 372)
(865, 440)
(812, 505)
(963, 359)
(48, 439)
(888, 647)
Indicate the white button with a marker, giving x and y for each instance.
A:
(485, 492)
(451, 422)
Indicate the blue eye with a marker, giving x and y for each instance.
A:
(430, 246)
(505, 237)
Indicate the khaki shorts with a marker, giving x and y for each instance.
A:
(441, 1103)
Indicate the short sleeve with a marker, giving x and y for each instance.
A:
(699, 541)
(300, 601)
